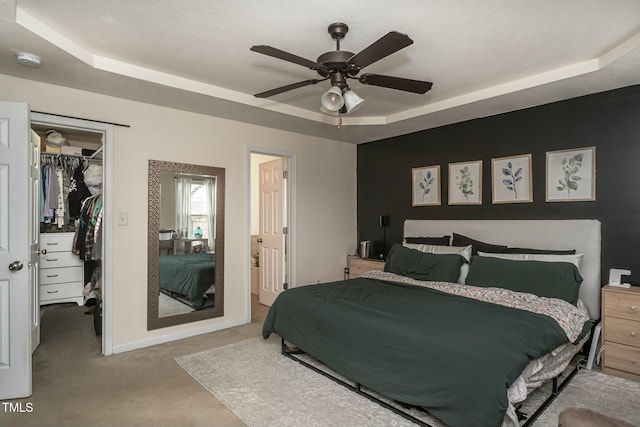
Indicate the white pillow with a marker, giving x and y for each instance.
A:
(465, 251)
(573, 259)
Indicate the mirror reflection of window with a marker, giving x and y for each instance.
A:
(195, 208)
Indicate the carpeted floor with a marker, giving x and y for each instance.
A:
(74, 386)
(607, 394)
(170, 307)
(264, 388)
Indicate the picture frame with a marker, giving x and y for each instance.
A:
(465, 183)
(571, 175)
(426, 186)
(511, 180)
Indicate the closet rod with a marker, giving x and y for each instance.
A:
(81, 118)
(70, 155)
(98, 151)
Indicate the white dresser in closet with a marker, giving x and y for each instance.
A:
(61, 271)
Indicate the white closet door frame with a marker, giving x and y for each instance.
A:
(107, 213)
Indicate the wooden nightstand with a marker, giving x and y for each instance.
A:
(356, 265)
(621, 331)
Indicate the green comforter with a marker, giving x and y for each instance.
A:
(187, 274)
(452, 355)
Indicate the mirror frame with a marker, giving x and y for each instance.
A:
(156, 167)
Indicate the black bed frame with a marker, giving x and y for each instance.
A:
(357, 388)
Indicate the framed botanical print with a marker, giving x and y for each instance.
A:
(465, 183)
(571, 175)
(426, 186)
(511, 179)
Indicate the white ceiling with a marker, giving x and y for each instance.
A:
(483, 57)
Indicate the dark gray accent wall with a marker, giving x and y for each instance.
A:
(610, 121)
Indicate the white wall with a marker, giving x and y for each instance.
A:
(326, 194)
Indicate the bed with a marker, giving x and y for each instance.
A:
(188, 275)
(428, 341)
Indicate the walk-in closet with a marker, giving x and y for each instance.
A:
(71, 225)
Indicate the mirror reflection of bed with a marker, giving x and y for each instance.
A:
(186, 259)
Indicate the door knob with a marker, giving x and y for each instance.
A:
(15, 266)
(259, 240)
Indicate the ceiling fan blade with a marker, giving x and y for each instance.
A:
(286, 56)
(286, 88)
(408, 85)
(385, 46)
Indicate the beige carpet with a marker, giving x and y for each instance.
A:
(168, 306)
(264, 388)
(607, 394)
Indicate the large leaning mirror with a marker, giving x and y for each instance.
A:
(186, 243)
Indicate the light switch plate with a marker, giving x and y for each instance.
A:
(123, 218)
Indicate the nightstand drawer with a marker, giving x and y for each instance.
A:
(61, 275)
(622, 304)
(622, 358)
(60, 290)
(358, 266)
(622, 331)
(59, 259)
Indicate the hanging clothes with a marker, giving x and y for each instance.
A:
(88, 236)
(78, 192)
(60, 212)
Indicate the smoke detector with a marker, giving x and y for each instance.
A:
(28, 59)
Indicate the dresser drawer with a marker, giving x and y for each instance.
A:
(59, 291)
(622, 331)
(61, 275)
(622, 357)
(622, 304)
(59, 259)
(56, 242)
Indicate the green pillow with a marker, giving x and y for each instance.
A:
(423, 266)
(545, 279)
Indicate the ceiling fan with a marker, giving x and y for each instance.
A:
(340, 65)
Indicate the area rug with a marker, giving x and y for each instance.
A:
(264, 388)
(607, 394)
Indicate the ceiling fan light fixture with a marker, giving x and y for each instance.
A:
(332, 99)
(351, 100)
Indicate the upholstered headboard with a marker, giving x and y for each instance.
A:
(581, 235)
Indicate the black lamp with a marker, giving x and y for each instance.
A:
(383, 221)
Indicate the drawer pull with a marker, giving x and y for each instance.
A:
(52, 275)
(633, 333)
(633, 308)
(52, 244)
(634, 361)
(52, 292)
(52, 259)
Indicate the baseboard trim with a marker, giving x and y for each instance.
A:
(148, 342)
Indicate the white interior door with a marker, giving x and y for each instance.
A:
(15, 272)
(271, 241)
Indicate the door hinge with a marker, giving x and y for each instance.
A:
(285, 286)
(285, 174)
(285, 230)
